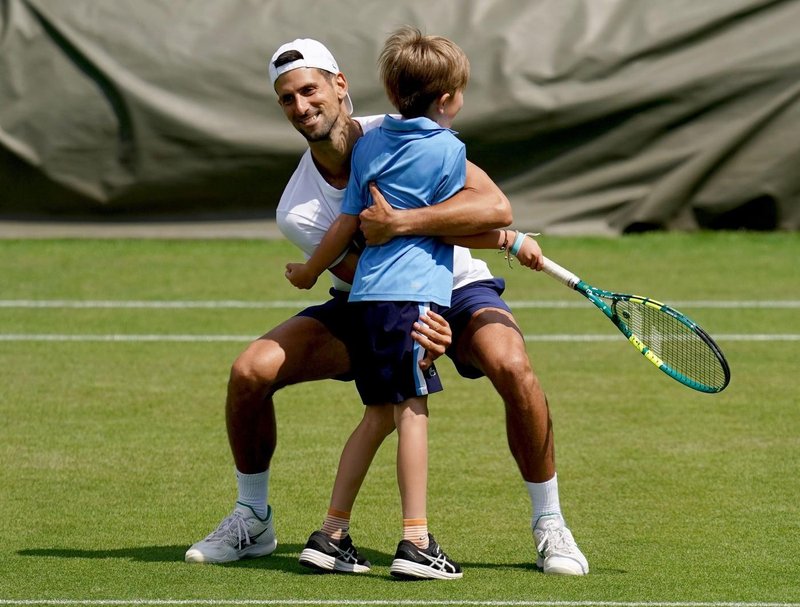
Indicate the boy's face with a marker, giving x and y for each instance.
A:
(311, 101)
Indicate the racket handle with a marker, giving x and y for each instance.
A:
(551, 268)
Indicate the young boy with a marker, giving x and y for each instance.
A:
(415, 161)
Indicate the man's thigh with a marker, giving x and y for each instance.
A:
(298, 350)
(491, 336)
(482, 323)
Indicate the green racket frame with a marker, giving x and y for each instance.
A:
(597, 296)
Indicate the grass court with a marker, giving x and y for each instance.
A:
(114, 357)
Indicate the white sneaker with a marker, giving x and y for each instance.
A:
(558, 552)
(240, 535)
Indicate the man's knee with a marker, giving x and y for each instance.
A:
(254, 370)
(512, 366)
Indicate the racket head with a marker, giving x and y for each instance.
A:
(672, 341)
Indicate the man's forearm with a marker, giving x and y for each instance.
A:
(479, 207)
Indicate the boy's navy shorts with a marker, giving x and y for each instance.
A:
(385, 358)
(338, 316)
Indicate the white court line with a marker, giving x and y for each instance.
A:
(291, 304)
(157, 305)
(367, 602)
(564, 337)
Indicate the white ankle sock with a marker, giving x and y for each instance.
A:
(253, 491)
(544, 498)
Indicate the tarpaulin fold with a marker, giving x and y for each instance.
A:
(593, 116)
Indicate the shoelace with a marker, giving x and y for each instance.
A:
(556, 539)
(233, 527)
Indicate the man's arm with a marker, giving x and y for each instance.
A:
(479, 207)
(522, 246)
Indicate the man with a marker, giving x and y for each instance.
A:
(314, 96)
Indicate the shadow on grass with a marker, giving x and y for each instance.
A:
(284, 558)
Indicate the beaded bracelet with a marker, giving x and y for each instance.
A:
(504, 246)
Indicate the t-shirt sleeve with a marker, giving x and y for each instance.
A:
(303, 231)
(454, 172)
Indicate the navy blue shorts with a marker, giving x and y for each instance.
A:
(385, 358)
(464, 303)
(337, 316)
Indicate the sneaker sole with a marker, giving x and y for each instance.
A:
(194, 555)
(414, 571)
(314, 559)
(564, 566)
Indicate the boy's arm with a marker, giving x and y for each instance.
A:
(478, 207)
(522, 246)
(345, 270)
(336, 240)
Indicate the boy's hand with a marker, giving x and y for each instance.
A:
(299, 275)
(433, 333)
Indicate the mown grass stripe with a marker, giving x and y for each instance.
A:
(291, 304)
(404, 602)
(556, 337)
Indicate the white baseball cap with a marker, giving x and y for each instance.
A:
(314, 54)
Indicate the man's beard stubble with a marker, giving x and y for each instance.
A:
(323, 132)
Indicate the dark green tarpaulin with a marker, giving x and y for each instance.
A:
(595, 116)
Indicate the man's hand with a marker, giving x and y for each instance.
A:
(300, 276)
(433, 333)
(530, 254)
(377, 220)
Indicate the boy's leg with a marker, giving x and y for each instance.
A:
(411, 419)
(418, 555)
(331, 548)
(358, 453)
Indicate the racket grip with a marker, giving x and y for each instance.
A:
(551, 268)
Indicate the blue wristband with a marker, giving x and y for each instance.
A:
(517, 243)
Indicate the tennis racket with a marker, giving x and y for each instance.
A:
(668, 339)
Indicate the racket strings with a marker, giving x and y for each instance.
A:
(681, 347)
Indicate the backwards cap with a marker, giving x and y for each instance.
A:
(314, 55)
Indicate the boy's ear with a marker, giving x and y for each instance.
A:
(442, 101)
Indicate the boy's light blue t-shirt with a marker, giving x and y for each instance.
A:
(415, 163)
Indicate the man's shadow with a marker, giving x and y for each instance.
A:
(284, 558)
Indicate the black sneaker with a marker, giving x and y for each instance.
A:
(325, 554)
(411, 562)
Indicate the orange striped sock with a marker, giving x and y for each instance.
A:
(336, 524)
(415, 530)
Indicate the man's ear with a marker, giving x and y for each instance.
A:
(341, 86)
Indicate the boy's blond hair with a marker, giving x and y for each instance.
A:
(417, 69)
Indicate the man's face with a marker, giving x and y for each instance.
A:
(311, 101)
